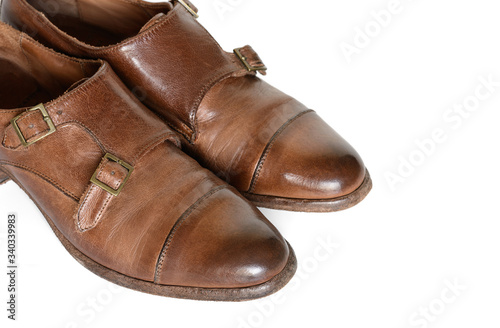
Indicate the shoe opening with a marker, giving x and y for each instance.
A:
(100, 22)
(31, 74)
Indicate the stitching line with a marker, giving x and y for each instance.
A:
(150, 146)
(43, 176)
(178, 224)
(88, 194)
(270, 145)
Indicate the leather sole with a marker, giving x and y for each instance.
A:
(192, 293)
(313, 205)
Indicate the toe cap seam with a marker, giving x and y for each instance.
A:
(177, 225)
(269, 146)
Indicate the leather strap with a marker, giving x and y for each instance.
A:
(96, 199)
(185, 61)
(118, 123)
(99, 117)
(250, 59)
(31, 125)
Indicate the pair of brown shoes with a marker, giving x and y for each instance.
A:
(109, 175)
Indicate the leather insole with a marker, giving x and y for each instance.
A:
(18, 88)
(100, 22)
(89, 34)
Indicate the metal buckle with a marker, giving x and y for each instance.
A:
(105, 187)
(191, 11)
(249, 67)
(46, 118)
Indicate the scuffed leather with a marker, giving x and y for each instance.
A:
(94, 114)
(191, 256)
(190, 61)
(247, 132)
(326, 168)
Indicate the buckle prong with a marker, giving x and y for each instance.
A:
(46, 118)
(105, 187)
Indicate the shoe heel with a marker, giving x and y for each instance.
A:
(3, 178)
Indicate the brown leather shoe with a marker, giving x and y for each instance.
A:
(123, 199)
(273, 149)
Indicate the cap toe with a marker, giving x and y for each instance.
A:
(308, 160)
(222, 242)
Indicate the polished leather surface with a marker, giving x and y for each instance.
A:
(252, 135)
(174, 223)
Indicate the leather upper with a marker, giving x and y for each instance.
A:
(257, 138)
(173, 223)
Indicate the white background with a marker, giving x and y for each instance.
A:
(399, 250)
